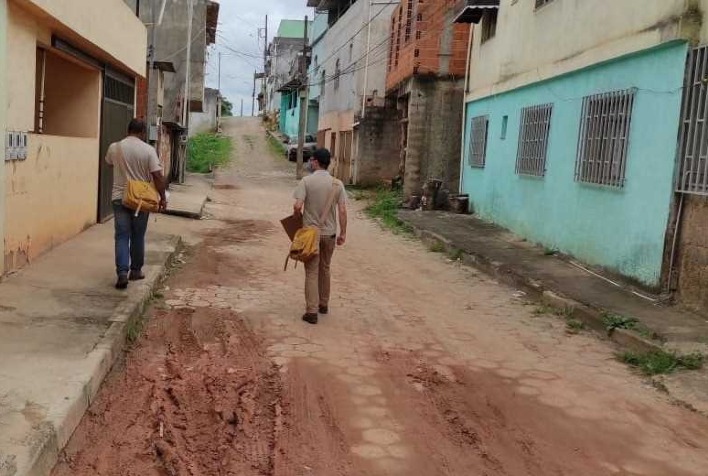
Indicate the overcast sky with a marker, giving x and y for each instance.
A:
(242, 50)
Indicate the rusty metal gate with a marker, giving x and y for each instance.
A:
(692, 174)
(116, 112)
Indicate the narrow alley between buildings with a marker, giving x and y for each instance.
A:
(422, 368)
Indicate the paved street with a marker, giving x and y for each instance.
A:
(422, 367)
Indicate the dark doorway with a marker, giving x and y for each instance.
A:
(116, 112)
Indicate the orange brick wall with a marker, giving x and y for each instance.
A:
(417, 31)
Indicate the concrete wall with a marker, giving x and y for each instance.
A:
(434, 133)
(347, 95)
(377, 146)
(283, 52)
(53, 194)
(107, 28)
(622, 230)
(566, 35)
(71, 104)
(3, 120)
(170, 46)
(205, 121)
(50, 197)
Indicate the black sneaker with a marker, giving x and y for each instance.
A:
(310, 318)
(122, 282)
(324, 309)
(136, 276)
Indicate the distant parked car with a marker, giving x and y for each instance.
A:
(308, 149)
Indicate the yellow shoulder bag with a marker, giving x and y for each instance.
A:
(140, 195)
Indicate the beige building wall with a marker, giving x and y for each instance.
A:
(566, 35)
(3, 100)
(53, 194)
(106, 28)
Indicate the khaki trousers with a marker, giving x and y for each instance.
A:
(317, 275)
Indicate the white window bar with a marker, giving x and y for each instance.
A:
(535, 126)
(478, 141)
(604, 138)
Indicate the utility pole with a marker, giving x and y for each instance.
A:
(187, 80)
(366, 67)
(241, 107)
(304, 93)
(253, 102)
(218, 100)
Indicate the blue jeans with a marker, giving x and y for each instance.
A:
(129, 238)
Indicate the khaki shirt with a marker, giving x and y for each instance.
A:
(137, 161)
(314, 191)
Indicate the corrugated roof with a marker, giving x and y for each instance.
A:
(293, 28)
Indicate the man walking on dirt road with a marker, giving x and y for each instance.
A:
(132, 159)
(312, 195)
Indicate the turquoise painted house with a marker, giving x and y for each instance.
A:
(573, 144)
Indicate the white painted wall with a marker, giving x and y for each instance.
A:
(565, 35)
(336, 42)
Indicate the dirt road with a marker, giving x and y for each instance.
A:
(422, 367)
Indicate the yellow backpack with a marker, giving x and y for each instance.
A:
(306, 242)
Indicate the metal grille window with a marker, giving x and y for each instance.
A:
(604, 138)
(478, 141)
(533, 140)
(693, 136)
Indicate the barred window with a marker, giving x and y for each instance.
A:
(478, 141)
(604, 138)
(533, 140)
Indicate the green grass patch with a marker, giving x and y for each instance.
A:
(456, 254)
(276, 147)
(437, 247)
(616, 321)
(207, 151)
(384, 207)
(574, 326)
(661, 362)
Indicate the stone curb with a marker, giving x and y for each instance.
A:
(591, 316)
(102, 358)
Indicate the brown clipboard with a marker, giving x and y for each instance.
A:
(291, 225)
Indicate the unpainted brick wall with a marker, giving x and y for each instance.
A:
(434, 45)
(693, 254)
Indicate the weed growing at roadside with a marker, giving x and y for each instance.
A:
(549, 251)
(437, 247)
(662, 362)
(276, 147)
(207, 151)
(617, 321)
(133, 329)
(385, 207)
(456, 254)
(574, 326)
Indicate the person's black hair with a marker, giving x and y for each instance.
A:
(323, 157)
(137, 127)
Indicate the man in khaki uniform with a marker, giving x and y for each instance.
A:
(311, 197)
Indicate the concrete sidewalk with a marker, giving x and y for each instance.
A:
(566, 285)
(62, 326)
(188, 199)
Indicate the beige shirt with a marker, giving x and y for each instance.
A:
(314, 191)
(136, 161)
